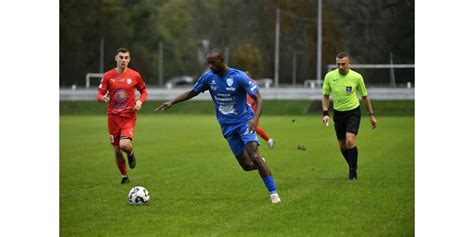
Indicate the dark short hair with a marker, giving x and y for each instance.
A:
(342, 55)
(216, 51)
(122, 50)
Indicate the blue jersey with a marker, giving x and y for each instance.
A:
(229, 94)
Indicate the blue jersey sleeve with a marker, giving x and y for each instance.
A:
(201, 85)
(250, 86)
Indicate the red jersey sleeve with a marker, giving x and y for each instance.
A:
(250, 100)
(103, 88)
(141, 87)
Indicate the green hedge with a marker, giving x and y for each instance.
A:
(271, 107)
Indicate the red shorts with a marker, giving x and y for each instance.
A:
(120, 126)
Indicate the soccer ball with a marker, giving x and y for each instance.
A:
(138, 195)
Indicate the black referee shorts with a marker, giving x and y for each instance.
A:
(346, 121)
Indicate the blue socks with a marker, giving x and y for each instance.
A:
(270, 184)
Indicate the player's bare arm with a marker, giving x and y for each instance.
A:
(183, 97)
(325, 105)
(258, 111)
(368, 106)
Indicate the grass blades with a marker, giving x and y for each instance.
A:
(198, 188)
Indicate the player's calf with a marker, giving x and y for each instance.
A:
(248, 166)
(126, 146)
(245, 162)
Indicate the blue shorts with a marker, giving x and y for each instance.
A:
(237, 135)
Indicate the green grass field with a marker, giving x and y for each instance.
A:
(197, 187)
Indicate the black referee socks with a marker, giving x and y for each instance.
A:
(346, 156)
(352, 156)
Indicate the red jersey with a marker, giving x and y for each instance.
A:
(121, 88)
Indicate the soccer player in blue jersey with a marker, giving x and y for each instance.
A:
(229, 88)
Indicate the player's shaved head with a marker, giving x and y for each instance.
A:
(342, 63)
(342, 55)
(215, 61)
(215, 52)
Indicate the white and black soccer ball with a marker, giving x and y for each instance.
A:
(138, 195)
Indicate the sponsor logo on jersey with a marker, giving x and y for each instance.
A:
(129, 81)
(213, 82)
(227, 109)
(120, 96)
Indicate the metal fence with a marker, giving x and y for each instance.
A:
(290, 93)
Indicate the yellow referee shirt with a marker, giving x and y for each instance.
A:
(344, 89)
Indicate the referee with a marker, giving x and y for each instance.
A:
(344, 84)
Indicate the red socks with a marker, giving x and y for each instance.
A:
(262, 134)
(122, 166)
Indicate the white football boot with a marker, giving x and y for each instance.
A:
(275, 198)
(270, 143)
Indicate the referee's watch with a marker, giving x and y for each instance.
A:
(371, 113)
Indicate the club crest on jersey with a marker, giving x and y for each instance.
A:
(229, 82)
(129, 81)
(348, 89)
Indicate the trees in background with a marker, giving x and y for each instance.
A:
(369, 29)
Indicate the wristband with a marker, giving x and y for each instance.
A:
(371, 113)
(325, 113)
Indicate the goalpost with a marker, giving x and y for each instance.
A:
(93, 75)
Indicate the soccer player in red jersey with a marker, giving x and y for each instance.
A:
(259, 130)
(118, 89)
